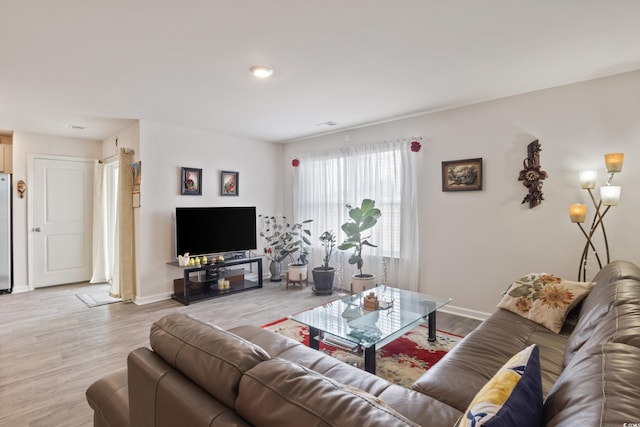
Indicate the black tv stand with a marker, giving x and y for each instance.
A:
(200, 281)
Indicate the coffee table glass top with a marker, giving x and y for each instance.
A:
(347, 320)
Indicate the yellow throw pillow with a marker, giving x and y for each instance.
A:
(544, 298)
(513, 397)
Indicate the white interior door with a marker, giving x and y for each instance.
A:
(61, 221)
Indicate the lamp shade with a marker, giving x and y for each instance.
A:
(610, 195)
(614, 161)
(577, 213)
(588, 179)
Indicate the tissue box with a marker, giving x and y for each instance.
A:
(370, 302)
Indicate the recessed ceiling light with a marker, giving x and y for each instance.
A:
(261, 71)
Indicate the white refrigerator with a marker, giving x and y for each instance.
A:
(5, 233)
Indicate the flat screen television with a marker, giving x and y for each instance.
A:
(209, 230)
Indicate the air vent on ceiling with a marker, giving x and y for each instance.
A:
(77, 127)
(328, 123)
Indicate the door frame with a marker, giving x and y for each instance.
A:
(31, 158)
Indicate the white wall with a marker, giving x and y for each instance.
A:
(128, 137)
(25, 143)
(164, 150)
(474, 244)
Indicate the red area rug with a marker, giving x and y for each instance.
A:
(401, 361)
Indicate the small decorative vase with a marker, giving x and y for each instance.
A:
(275, 268)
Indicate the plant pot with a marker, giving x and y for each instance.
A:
(297, 272)
(362, 282)
(323, 280)
(275, 268)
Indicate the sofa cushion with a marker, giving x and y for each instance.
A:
(544, 298)
(161, 396)
(211, 357)
(283, 347)
(109, 399)
(458, 377)
(407, 402)
(601, 387)
(621, 324)
(513, 397)
(281, 393)
(616, 285)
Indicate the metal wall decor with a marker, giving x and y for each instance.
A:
(532, 176)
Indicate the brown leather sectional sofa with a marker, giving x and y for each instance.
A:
(200, 375)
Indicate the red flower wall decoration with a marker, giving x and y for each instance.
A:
(295, 163)
(415, 146)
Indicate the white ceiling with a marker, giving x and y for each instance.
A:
(100, 63)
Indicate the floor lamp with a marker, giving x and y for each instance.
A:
(609, 196)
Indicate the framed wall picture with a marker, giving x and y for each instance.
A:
(229, 183)
(191, 182)
(462, 175)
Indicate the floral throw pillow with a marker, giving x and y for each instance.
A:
(544, 298)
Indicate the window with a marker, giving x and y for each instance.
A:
(326, 182)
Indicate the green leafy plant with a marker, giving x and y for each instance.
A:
(328, 242)
(360, 220)
(284, 239)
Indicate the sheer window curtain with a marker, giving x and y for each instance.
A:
(386, 172)
(104, 220)
(101, 272)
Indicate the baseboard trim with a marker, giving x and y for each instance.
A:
(465, 312)
(152, 298)
(19, 289)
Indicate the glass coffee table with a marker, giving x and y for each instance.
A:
(346, 324)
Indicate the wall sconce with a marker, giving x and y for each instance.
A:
(609, 196)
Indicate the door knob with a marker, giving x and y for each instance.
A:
(37, 229)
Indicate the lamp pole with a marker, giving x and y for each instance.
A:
(609, 196)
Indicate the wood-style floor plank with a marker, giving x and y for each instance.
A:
(52, 346)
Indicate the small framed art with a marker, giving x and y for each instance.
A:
(191, 182)
(462, 175)
(229, 183)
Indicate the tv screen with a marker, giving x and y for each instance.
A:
(204, 231)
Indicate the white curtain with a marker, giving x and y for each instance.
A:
(100, 257)
(386, 172)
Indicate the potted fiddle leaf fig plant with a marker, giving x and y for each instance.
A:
(323, 276)
(361, 219)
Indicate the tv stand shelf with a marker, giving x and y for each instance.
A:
(200, 282)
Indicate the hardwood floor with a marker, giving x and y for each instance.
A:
(52, 346)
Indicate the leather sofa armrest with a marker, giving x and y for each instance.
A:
(109, 399)
(161, 396)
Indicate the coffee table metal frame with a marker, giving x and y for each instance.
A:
(346, 324)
